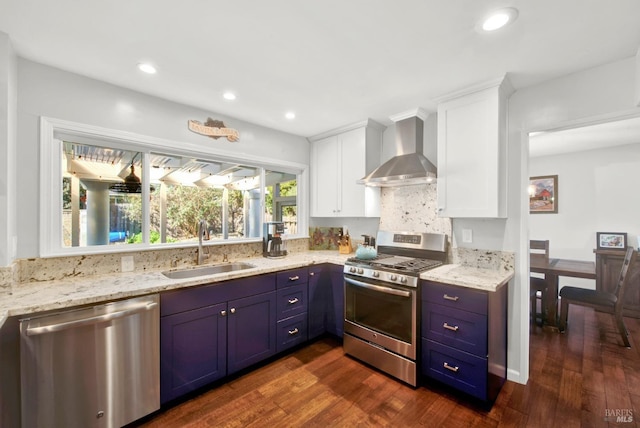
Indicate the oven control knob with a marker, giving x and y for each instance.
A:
(360, 271)
(352, 270)
(393, 277)
(403, 279)
(376, 274)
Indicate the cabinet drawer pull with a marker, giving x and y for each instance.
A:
(293, 301)
(452, 298)
(450, 327)
(232, 310)
(453, 369)
(223, 313)
(312, 273)
(294, 331)
(294, 278)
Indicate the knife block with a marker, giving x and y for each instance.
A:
(344, 246)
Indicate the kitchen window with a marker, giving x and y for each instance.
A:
(106, 191)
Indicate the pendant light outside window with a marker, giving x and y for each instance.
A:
(131, 183)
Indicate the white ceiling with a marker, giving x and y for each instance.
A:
(333, 62)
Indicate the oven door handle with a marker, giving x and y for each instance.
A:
(379, 288)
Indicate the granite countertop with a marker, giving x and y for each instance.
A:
(470, 277)
(34, 297)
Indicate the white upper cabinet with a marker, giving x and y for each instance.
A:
(338, 159)
(472, 151)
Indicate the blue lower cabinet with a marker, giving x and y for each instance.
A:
(211, 331)
(464, 338)
(193, 350)
(291, 332)
(292, 307)
(251, 330)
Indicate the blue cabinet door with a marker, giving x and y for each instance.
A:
(335, 301)
(193, 350)
(319, 282)
(251, 330)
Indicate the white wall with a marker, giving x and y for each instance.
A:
(595, 195)
(8, 111)
(46, 91)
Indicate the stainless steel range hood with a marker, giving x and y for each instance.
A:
(409, 166)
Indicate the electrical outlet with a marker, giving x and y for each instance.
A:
(126, 264)
(467, 236)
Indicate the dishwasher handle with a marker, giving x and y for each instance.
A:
(52, 328)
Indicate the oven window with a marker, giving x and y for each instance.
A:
(385, 313)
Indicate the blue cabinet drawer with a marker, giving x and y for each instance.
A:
(291, 277)
(460, 329)
(463, 371)
(452, 296)
(291, 301)
(291, 331)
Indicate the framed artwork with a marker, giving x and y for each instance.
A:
(543, 194)
(611, 241)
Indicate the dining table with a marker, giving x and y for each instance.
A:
(553, 269)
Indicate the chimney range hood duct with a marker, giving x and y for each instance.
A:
(409, 166)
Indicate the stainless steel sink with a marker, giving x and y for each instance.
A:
(206, 270)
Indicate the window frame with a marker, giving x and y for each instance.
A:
(53, 131)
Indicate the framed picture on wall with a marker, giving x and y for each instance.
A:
(543, 194)
(611, 241)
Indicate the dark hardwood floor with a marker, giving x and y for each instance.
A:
(577, 379)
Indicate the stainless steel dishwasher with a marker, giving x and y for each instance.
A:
(95, 366)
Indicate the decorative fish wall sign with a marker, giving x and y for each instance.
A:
(214, 129)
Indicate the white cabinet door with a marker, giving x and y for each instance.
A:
(472, 155)
(325, 175)
(337, 162)
(352, 160)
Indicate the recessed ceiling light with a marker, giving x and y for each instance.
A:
(229, 96)
(147, 68)
(498, 19)
(290, 115)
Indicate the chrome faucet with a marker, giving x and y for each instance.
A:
(203, 230)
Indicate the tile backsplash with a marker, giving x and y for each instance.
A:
(412, 208)
(483, 259)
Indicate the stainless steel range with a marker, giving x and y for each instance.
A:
(382, 301)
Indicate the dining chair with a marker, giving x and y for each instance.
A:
(601, 300)
(537, 285)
